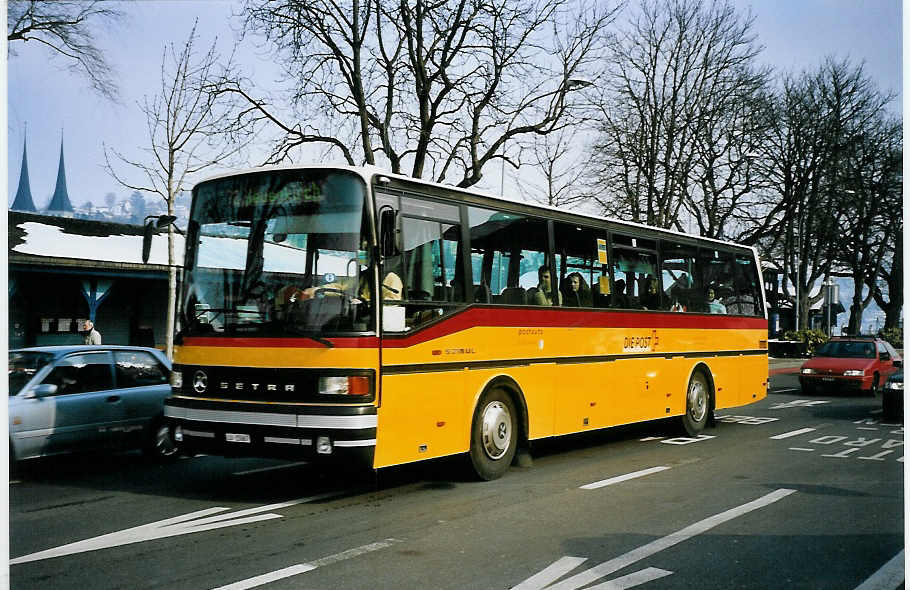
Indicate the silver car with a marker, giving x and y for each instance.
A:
(64, 399)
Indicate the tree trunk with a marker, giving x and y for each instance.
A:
(171, 286)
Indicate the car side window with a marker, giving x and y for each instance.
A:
(136, 368)
(883, 353)
(81, 373)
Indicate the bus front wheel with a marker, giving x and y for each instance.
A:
(698, 404)
(494, 435)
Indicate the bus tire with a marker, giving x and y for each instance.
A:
(698, 404)
(494, 434)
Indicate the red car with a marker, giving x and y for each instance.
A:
(849, 364)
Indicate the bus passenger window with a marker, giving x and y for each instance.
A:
(581, 260)
(716, 268)
(746, 299)
(508, 259)
(633, 279)
(682, 292)
(431, 261)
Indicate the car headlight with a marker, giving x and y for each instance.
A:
(177, 379)
(807, 371)
(350, 385)
(854, 373)
(897, 385)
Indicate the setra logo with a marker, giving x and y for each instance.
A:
(200, 382)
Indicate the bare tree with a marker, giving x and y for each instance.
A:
(186, 126)
(670, 113)
(431, 89)
(818, 117)
(557, 158)
(870, 211)
(888, 287)
(67, 28)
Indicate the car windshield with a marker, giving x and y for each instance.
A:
(22, 367)
(278, 253)
(847, 349)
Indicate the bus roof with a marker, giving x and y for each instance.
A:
(368, 172)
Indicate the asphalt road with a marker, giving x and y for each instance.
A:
(791, 492)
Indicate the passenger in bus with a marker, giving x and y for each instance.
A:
(543, 293)
(575, 291)
(391, 289)
(650, 298)
(714, 305)
(619, 298)
(741, 304)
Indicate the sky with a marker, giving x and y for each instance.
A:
(54, 103)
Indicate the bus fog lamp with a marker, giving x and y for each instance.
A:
(178, 434)
(324, 445)
(176, 379)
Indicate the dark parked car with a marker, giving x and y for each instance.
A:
(849, 364)
(78, 398)
(893, 396)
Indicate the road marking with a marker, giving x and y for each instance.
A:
(890, 576)
(302, 568)
(622, 478)
(792, 433)
(608, 567)
(801, 449)
(785, 390)
(799, 403)
(272, 468)
(193, 522)
(634, 579)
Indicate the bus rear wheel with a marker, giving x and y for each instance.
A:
(494, 435)
(698, 404)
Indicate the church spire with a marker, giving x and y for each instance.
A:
(23, 200)
(60, 201)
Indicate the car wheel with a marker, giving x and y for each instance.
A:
(698, 404)
(494, 435)
(808, 388)
(873, 391)
(161, 444)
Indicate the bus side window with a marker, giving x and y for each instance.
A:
(507, 253)
(634, 274)
(431, 261)
(716, 268)
(746, 299)
(681, 287)
(580, 266)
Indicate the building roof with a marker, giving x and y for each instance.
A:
(61, 200)
(63, 242)
(23, 200)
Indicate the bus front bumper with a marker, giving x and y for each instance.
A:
(273, 430)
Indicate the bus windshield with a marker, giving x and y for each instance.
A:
(278, 253)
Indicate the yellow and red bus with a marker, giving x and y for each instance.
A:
(498, 323)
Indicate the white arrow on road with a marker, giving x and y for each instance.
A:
(545, 579)
(193, 522)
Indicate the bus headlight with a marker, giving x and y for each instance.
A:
(351, 385)
(807, 371)
(853, 373)
(176, 379)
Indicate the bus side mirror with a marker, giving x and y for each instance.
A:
(147, 234)
(152, 224)
(388, 233)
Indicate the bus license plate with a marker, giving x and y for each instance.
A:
(239, 438)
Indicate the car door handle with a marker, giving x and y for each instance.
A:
(113, 399)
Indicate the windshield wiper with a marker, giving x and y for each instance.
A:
(310, 335)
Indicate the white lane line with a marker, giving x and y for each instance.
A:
(635, 579)
(301, 568)
(792, 433)
(888, 577)
(622, 478)
(608, 567)
(551, 573)
(193, 522)
(785, 390)
(801, 449)
(272, 468)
